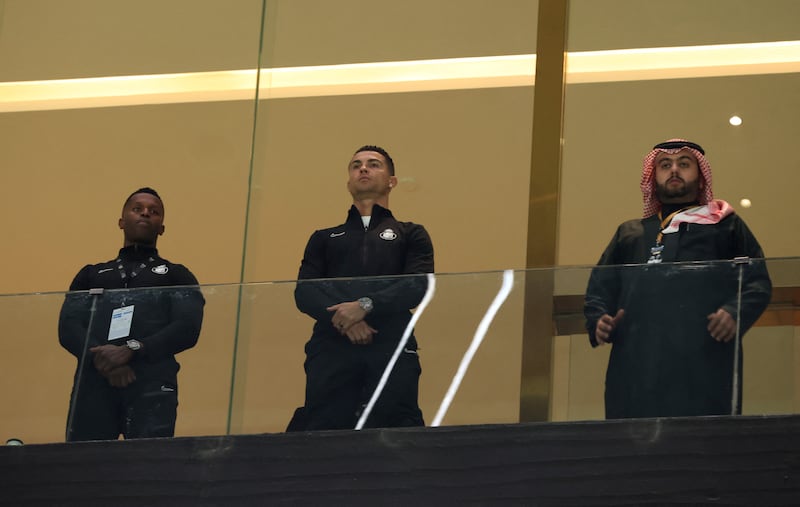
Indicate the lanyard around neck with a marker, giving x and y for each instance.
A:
(124, 275)
(666, 221)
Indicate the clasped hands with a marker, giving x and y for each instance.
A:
(348, 319)
(112, 363)
(721, 326)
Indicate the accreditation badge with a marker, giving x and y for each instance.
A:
(121, 319)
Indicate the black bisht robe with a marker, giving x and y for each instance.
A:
(663, 361)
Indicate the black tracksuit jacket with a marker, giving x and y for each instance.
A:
(166, 321)
(387, 248)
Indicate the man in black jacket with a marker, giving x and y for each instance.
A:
(672, 321)
(125, 331)
(359, 322)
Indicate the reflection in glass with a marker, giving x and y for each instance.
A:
(272, 333)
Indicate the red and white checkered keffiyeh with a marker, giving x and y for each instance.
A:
(709, 213)
(651, 203)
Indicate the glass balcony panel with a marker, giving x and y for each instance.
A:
(469, 334)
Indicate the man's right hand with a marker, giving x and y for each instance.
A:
(606, 325)
(346, 314)
(122, 376)
(108, 357)
(360, 333)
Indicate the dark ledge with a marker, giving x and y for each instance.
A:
(685, 461)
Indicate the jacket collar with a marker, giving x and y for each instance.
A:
(379, 213)
(135, 252)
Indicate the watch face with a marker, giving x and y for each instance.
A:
(365, 304)
(133, 344)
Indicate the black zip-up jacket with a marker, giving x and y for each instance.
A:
(166, 320)
(386, 249)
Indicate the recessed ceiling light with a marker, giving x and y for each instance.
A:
(735, 120)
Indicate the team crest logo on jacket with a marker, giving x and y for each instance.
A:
(160, 270)
(388, 235)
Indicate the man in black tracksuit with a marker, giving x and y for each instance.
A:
(360, 321)
(125, 336)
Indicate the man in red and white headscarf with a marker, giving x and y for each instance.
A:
(670, 319)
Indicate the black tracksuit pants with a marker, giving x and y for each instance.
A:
(341, 377)
(147, 408)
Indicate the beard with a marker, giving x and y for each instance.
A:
(687, 192)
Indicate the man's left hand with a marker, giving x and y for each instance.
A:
(360, 333)
(121, 377)
(108, 357)
(721, 326)
(346, 314)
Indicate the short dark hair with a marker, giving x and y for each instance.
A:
(378, 149)
(143, 190)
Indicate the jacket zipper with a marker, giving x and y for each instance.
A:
(364, 248)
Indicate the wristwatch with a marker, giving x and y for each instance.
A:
(134, 345)
(365, 304)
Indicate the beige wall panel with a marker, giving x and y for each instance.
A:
(36, 371)
(204, 380)
(61, 39)
(322, 32)
(587, 380)
(769, 371)
(616, 24)
(270, 380)
(52, 39)
(610, 127)
(559, 397)
(67, 174)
